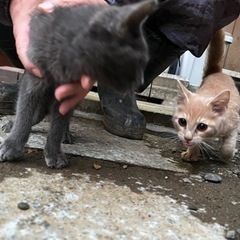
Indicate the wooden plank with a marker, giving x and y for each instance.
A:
(164, 87)
(12, 69)
(10, 74)
(232, 74)
(143, 106)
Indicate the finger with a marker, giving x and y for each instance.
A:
(69, 104)
(87, 82)
(67, 90)
(72, 94)
(80, 89)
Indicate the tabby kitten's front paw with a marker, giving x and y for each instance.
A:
(9, 150)
(189, 156)
(56, 161)
(227, 154)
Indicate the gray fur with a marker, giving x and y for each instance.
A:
(103, 42)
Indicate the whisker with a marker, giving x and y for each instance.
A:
(176, 140)
(205, 151)
(209, 150)
(167, 135)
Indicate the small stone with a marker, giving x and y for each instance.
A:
(23, 206)
(193, 208)
(196, 177)
(125, 166)
(211, 177)
(45, 224)
(174, 150)
(30, 150)
(236, 173)
(187, 180)
(97, 166)
(231, 234)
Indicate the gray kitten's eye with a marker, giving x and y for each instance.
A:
(182, 122)
(202, 127)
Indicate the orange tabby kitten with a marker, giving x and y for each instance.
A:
(211, 112)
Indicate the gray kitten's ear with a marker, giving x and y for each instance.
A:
(134, 14)
(220, 102)
(183, 93)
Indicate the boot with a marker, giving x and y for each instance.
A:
(8, 91)
(121, 115)
(8, 98)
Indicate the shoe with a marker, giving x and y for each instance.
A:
(8, 98)
(121, 114)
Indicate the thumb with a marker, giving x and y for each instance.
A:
(22, 42)
(20, 15)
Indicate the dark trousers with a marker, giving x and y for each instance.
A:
(7, 45)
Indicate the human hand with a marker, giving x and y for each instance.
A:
(69, 94)
(72, 94)
(20, 11)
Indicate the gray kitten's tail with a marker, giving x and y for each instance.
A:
(214, 61)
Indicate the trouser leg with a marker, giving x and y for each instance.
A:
(8, 92)
(7, 45)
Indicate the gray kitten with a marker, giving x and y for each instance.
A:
(101, 41)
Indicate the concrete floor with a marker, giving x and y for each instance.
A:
(78, 207)
(75, 204)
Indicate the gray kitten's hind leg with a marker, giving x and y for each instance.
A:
(67, 137)
(40, 112)
(30, 95)
(54, 157)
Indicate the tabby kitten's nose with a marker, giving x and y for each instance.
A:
(187, 139)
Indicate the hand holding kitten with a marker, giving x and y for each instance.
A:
(20, 13)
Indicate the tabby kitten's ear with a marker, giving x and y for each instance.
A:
(220, 102)
(183, 94)
(134, 15)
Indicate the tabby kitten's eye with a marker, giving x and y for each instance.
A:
(202, 127)
(182, 122)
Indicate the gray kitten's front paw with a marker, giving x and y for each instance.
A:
(57, 161)
(9, 150)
